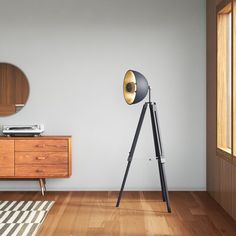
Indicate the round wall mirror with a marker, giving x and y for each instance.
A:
(14, 89)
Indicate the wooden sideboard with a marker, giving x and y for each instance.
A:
(39, 158)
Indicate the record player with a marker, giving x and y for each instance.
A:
(23, 130)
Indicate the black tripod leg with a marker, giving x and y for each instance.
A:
(161, 180)
(162, 169)
(123, 183)
(158, 150)
(131, 153)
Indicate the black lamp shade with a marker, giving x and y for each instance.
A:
(135, 87)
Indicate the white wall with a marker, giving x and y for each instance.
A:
(75, 54)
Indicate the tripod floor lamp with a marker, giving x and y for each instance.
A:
(135, 88)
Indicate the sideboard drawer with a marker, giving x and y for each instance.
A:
(42, 171)
(41, 145)
(32, 158)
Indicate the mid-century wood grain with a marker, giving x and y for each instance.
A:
(70, 156)
(234, 191)
(22, 88)
(216, 180)
(223, 6)
(42, 171)
(212, 182)
(226, 185)
(140, 214)
(35, 157)
(221, 169)
(6, 110)
(38, 145)
(6, 158)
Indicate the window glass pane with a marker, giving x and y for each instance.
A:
(229, 100)
(224, 101)
(234, 74)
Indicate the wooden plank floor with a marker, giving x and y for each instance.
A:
(140, 213)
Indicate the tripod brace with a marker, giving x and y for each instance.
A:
(158, 151)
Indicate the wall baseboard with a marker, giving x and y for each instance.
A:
(102, 189)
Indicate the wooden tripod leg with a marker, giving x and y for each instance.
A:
(42, 186)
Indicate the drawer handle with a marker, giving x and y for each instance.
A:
(40, 146)
(50, 145)
(39, 171)
(40, 158)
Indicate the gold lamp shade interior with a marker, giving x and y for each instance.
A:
(129, 87)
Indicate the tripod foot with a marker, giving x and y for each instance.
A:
(123, 184)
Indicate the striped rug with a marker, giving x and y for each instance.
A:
(22, 218)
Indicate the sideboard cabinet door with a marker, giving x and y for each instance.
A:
(6, 158)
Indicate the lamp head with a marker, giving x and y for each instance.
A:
(135, 87)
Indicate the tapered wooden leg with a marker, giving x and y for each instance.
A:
(44, 181)
(42, 186)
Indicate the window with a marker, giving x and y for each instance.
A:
(225, 104)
